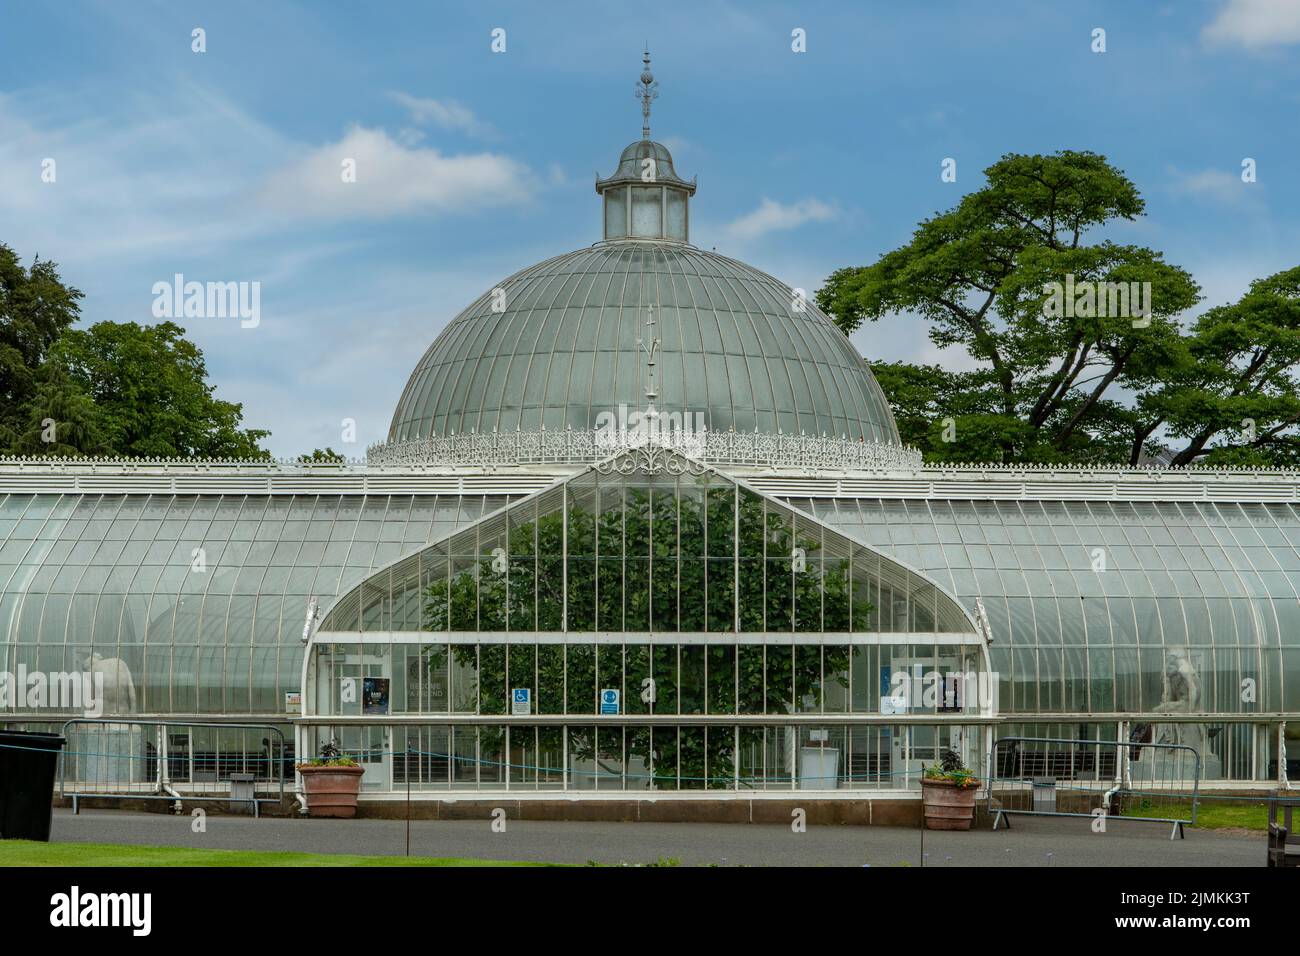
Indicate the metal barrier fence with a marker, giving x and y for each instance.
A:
(174, 761)
(1051, 776)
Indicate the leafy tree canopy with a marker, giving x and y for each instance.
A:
(114, 388)
(527, 592)
(135, 391)
(1009, 276)
(328, 456)
(36, 307)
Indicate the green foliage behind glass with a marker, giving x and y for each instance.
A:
(652, 559)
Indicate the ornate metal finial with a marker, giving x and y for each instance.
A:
(650, 346)
(647, 91)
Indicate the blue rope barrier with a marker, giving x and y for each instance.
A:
(1201, 795)
(459, 758)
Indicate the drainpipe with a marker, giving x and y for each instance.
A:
(163, 784)
(1283, 782)
(1121, 765)
(1106, 798)
(167, 788)
(299, 747)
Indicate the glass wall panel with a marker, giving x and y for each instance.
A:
(580, 678)
(1203, 593)
(721, 679)
(664, 679)
(616, 213)
(550, 679)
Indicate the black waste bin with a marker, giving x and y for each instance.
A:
(28, 763)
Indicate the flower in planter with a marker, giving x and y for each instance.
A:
(330, 756)
(950, 770)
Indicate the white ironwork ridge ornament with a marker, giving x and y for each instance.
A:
(892, 457)
(579, 446)
(650, 458)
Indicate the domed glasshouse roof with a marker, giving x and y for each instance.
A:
(644, 320)
(565, 348)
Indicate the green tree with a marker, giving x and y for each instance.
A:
(1235, 396)
(928, 403)
(619, 594)
(327, 456)
(135, 391)
(979, 275)
(62, 419)
(36, 307)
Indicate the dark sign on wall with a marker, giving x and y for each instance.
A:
(374, 695)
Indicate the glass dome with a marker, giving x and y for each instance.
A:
(642, 325)
(564, 341)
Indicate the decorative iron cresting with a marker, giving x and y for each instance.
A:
(586, 446)
(650, 458)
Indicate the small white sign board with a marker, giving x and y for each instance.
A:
(521, 702)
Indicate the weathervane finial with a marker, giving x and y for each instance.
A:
(647, 90)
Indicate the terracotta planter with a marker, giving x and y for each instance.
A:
(947, 805)
(331, 791)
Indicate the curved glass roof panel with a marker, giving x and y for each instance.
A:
(1113, 606)
(200, 597)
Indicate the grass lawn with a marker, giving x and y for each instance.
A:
(1211, 814)
(27, 853)
(1238, 814)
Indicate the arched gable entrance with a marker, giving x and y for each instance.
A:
(647, 624)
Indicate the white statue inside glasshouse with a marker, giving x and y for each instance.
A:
(118, 689)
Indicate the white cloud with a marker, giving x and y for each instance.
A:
(118, 195)
(1219, 185)
(364, 343)
(118, 191)
(393, 179)
(180, 179)
(1255, 24)
(1224, 281)
(772, 216)
(447, 114)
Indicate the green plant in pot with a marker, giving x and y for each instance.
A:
(948, 792)
(331, 783)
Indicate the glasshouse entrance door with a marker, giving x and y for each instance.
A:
(357, 680)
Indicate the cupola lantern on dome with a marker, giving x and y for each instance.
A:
(645, 198)
(551, 364)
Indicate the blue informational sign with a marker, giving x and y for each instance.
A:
(609, 701)
(521, 701)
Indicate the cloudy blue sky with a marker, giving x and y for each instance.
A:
(224, 165)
